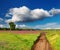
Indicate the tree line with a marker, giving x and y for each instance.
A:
(13, 27)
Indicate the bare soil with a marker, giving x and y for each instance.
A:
(41, 43)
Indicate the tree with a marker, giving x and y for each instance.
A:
(12, 26)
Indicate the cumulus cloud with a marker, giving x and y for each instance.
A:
(1, 19)
(25, 14)
(54, 11)
(19, 14)
(39, 13)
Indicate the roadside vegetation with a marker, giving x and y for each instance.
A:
(13, 41)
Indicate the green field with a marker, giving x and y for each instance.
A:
(11, 41)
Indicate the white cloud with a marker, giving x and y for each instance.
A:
(1, 19)
(45, 26)
(7, 15)
(25, 14)
(48, 26)
(19, 14)
(2, 26)
(21, 26)
(39, 13)
(54, 11)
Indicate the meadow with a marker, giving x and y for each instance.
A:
(23, 40)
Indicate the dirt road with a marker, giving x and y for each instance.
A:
(41, 43)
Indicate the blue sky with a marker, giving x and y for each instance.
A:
(6, 5)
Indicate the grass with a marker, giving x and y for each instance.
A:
(11, 41)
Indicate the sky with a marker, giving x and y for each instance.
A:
(37, 14)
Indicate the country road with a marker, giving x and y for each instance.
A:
(41, 43)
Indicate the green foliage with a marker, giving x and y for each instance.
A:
(11, 41)
(12, 26)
